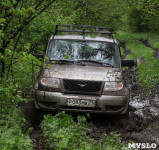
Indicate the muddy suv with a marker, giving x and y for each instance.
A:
(85, 74)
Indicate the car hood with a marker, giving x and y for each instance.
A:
(77, 72)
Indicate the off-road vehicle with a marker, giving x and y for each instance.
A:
(85, 74)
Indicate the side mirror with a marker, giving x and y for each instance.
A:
(39, 56)
(128, 63)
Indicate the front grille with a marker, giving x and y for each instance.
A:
(83, 87)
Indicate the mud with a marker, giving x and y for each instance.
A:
(34, 118)
(35, 135)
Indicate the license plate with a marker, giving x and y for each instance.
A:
(81, 102)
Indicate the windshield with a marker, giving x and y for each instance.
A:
(86, 51)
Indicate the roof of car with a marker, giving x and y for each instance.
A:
(81, 37)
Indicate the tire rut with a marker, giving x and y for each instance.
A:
(156, 54)
(126, 51)
(35, 135)
(34, 117)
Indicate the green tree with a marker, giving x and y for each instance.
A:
(15, 15)
(143, 15)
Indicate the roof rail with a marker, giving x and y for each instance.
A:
(97, 30)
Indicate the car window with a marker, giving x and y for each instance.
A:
(105, 52)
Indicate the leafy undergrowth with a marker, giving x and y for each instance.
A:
(24, 70)
(148, 70)
(12, 134)
(62, 132)
(12, 122)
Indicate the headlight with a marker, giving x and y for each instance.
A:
(113, 86)
(51, 82)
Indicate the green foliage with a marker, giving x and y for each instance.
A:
(143, 15)
(112, 142)
(15, 16)
(140, 50)
(24, 66)
(153, 40)
(22, 69)
(129, 36)
(62, 132)
(130, 56)
(10, 95)
(104, 13)
(149, 74)
(12, 124)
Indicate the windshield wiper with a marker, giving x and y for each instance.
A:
(64, 61)
(98, 62)
(61, 61)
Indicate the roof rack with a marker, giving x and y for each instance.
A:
(97, 30)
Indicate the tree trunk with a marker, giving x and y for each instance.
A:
(2, 64)
(2, 50)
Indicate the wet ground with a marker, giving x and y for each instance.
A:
(140, 124)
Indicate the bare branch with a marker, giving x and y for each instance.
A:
(39, 4)
(26, 22)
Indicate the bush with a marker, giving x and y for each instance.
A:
(11, 132)
(62, 132)
(12, 123)
(143, 15)
(10, 95)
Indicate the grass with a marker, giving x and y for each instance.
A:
(153, 41)
(122, 51)
(128, 36)
(140, 50)
(130, 56)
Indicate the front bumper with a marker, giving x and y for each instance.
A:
(105, 104)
